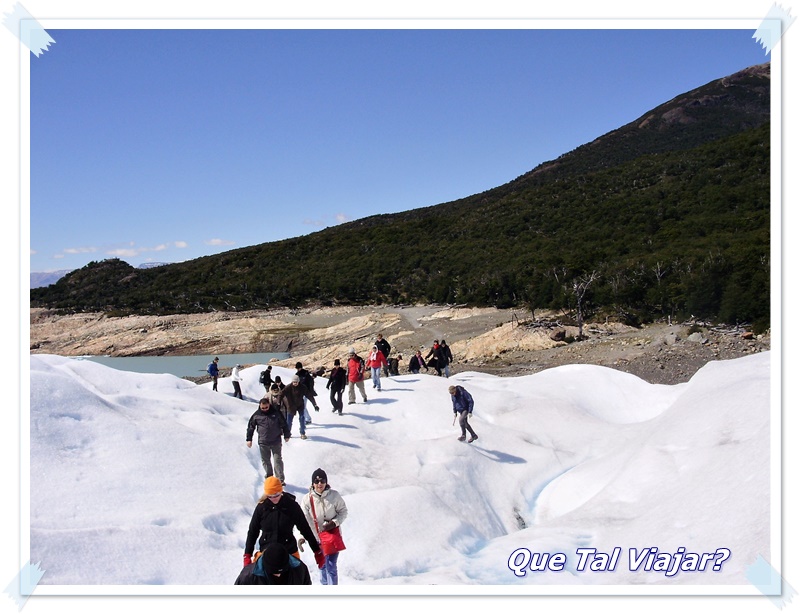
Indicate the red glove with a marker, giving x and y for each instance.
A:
(319, 558)
(247, 560)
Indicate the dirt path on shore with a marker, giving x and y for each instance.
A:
(502, 342)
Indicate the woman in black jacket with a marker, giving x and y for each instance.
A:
(275, 517)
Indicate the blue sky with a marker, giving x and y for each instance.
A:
(168, 145)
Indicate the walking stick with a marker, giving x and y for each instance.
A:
(454, 419)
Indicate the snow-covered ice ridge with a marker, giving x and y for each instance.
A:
(142, 479)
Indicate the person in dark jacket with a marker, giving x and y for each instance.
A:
(271, 426)
(265, 379)
(295, 393)
(213, 371)
(394, 364)
(462, 407)
(385, 348)
(307, 379)
(433, 357)
(274, 519)
(274, 566)
(417, 363)
(443, 358)
(337, 380)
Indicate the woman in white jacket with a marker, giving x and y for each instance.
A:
(328, 512)
(236, 378)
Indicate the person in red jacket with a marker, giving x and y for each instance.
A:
(375, 361)
(355, 377)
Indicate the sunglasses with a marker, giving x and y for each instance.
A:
(274, 496)
(320, 481)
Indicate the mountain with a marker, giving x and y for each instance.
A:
(39, 280)
(667, 215)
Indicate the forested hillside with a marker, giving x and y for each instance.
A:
(668, 215)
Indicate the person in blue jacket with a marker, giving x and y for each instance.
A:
(213, 371)
(462, 407)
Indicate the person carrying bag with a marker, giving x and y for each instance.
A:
(325, 511)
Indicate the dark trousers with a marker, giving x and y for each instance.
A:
(336, 399)
(463, 418)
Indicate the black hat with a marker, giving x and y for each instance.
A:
(319, 474)
(275, 558)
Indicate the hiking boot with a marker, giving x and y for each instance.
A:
(340, 412)
(334, 410)
(303, 436)
(473, 438)
(462, 438)
(351, 402)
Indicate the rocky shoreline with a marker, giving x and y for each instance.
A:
(501, 342)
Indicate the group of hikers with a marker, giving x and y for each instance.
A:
(322, 510)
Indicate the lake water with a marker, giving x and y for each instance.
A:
(180, 366)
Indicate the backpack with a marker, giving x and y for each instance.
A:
(262, 379)
(361, 366)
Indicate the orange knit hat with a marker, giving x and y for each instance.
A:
(272, 486)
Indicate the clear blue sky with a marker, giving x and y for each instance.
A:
(168, 145)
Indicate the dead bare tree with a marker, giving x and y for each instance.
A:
(579, 287)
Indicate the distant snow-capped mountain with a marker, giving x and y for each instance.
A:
(39, 280)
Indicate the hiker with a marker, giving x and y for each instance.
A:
(276, 516)
(462, 407)
(295, 394)
(325, 511)
(383, 346)
(355, 377)
(337, 380)
(265, 378)
(394, 364)
(271, 425)
(276, 397)
(280, 383)
(274, 566)
(213, 371)
(433, 357)
(308, 381)
(444, 358)
(417, 363)
(376, 360)
(237, 382)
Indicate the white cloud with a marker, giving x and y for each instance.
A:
(341, 218)
(124, 253)
(80, 250)
(181, 244)
(219, 242)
